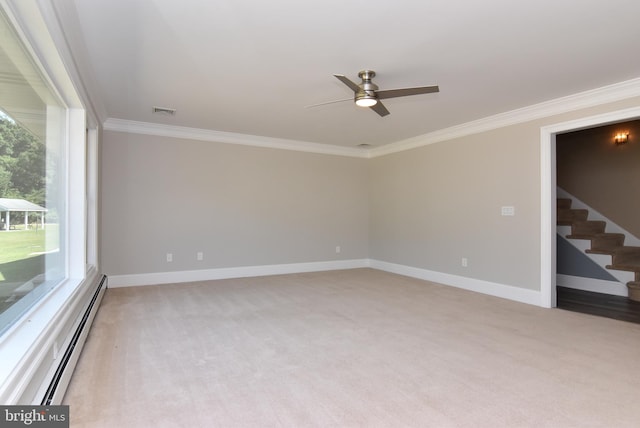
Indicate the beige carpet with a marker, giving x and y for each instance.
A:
(358, 348)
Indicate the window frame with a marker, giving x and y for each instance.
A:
(30, 348)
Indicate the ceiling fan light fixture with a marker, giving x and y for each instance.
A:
(365, 100)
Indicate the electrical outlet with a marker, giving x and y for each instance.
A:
(465, 262)
(338, 249)
(169, 257)
(200, 256)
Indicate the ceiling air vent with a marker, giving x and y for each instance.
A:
(164, 110)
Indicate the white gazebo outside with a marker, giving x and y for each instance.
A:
(10, 205)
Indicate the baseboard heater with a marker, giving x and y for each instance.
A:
(62, 375)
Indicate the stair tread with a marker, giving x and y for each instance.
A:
(609, 237)
(600, 251)
(591, 223)
(580, 236)
(625, 266)
(591, 227)
(573, 210)
(607, 241)
(630, 248)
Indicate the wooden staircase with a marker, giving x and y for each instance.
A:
(624, 258)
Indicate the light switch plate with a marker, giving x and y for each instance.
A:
(508, 211)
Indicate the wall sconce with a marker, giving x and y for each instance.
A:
(621, 138)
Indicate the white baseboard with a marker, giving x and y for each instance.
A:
(523, 295)
(532, 297)
(155, 278)
(590, 284)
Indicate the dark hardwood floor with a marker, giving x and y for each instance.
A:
(599, 304)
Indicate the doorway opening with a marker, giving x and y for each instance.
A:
(549, 292)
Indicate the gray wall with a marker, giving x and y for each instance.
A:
(434, 205)
(239, 205)
(601, 174)
(244, 206)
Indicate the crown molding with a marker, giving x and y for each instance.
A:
(591, 98)
(121, 125)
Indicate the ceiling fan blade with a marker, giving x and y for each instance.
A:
(394, 93)
(380, 109)
(329, 102)
(353, 86)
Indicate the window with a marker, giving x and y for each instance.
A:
(50, 199)
(33, 128)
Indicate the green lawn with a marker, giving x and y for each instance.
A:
(20, 244)
(20, 252)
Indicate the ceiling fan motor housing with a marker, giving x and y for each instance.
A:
(367, 87)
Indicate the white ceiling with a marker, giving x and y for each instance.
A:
(251, 66)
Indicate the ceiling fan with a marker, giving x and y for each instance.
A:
(366, 93)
